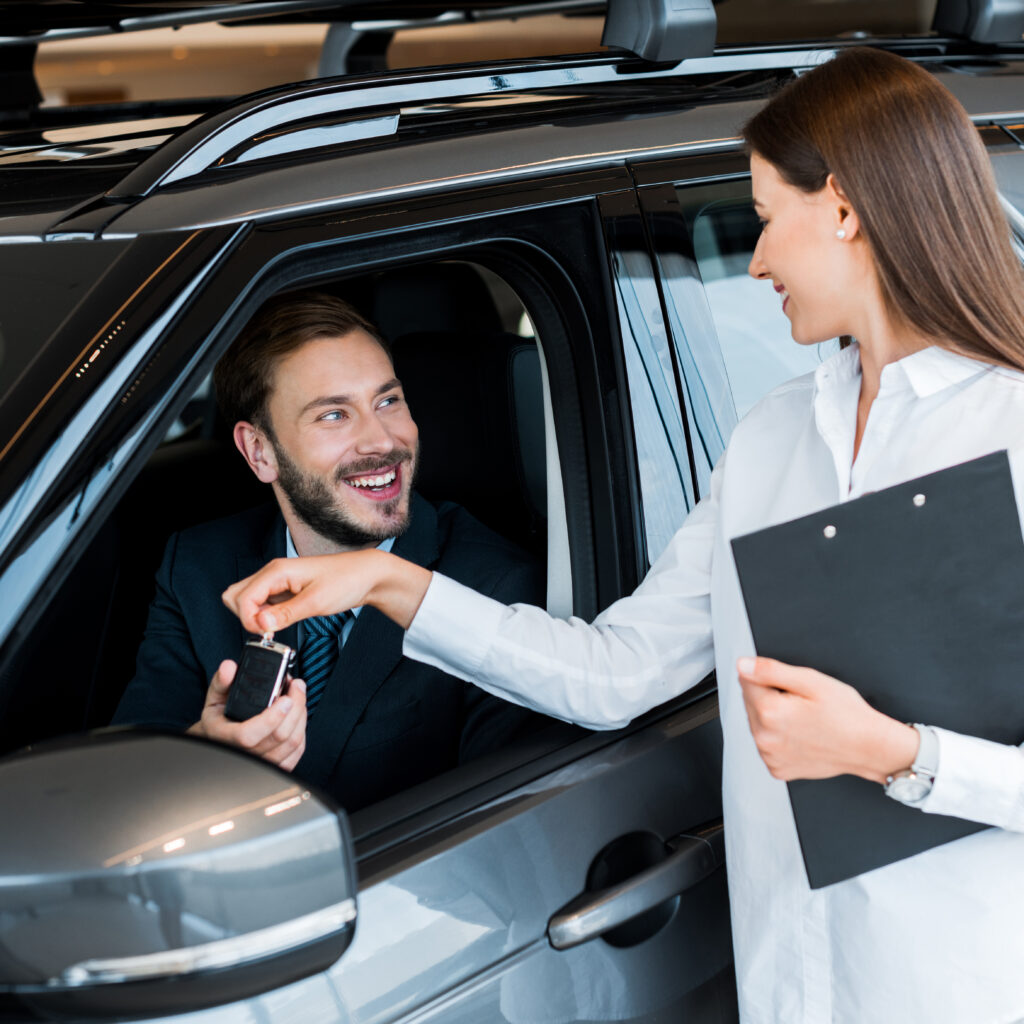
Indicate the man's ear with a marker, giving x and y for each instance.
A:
(845, 216)
(257, 450)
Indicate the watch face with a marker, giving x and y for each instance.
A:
(909, 789)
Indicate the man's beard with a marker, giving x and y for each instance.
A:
(320, 509)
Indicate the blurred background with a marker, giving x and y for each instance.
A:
(215, 60)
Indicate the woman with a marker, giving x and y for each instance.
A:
(881, 222)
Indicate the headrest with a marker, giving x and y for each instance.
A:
(477, 399)
(432, 297)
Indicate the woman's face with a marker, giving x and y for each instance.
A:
(798, 250)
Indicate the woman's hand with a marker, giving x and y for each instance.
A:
(808, 725)
(289, 589)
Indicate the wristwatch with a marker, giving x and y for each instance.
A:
(913, 784)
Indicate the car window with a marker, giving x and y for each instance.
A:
(753, 333)
(473, 383)
(433, 314)
(59, 275)
(665, 481)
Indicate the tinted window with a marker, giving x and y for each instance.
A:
(42, 284)
(665, 482)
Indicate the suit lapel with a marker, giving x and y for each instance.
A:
(373, 649)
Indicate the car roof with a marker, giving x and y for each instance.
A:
(332, 143)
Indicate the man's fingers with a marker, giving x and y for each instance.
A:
(221, 681)
(253, 732)
(277, 725)
(289, 734)
(289, 762)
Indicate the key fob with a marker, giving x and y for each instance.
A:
(260, 679)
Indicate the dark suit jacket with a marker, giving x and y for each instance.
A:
(384, 722)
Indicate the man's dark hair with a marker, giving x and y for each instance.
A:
(242, 377)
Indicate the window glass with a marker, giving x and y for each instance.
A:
(42, 284)
(753, 332)
(665, 482)
(706, 393)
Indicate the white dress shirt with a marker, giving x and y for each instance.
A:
(935, 938)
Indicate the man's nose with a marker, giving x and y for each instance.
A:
(756, 267)
(374, 437)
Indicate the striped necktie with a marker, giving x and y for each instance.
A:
(319, 653)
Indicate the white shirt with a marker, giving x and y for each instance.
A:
(936, 938)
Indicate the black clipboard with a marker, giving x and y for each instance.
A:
(915, 596)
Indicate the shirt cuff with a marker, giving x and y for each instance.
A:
(453, 628)
(978, 780)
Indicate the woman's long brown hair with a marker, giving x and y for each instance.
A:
(910, 161)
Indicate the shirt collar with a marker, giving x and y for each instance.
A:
(932, 369)
(926, 371)
(838, 369)
(290, 552)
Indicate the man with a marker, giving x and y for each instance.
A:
(319, 415)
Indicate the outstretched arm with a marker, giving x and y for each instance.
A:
(640, 652)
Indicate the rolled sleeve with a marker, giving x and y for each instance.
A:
(978, 780)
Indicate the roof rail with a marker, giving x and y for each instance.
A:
(981, 21)
(660, 30)
(343, 110)
(107, 24)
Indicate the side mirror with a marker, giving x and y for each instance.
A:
(150, 874)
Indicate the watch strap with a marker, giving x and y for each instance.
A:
(927, 761)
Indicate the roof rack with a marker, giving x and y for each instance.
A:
(654, 30)
(345, 110)
(981, 21)
(660, 30)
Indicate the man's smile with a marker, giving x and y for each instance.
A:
(378, 485)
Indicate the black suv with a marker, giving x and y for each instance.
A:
(557, 250)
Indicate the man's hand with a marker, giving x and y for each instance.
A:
(808, 725)
(277, 734)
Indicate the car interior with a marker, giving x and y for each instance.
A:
(464, 347)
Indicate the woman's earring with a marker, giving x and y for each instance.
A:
(841, 234)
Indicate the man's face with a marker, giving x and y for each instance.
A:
(343, 440)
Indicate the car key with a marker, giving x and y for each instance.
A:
(260, 679)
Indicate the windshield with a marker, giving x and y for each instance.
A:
(42, 283)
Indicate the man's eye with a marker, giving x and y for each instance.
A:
(334, 414)
(390, 400)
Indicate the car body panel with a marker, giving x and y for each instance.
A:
(480, 890)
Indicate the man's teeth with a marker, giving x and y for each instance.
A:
(373, 481)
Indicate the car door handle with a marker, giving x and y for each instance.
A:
(694, 856)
